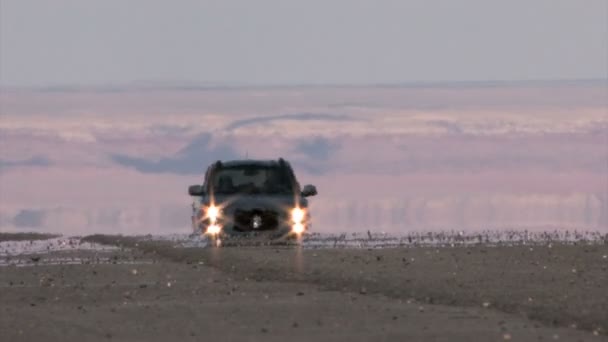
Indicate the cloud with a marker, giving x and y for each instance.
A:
(288, 117)
(34, 161)
(314, 154)
(192, 159)
(449, 126)
(311, 155)
(319, 148)
(168, 129)
(29, 218)
(312, 168)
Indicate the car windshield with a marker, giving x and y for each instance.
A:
(251, 179)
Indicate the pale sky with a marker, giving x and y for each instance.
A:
(394, 159)
(79, 42)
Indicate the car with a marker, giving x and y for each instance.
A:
(251, 197)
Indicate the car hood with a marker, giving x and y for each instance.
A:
(229, 203)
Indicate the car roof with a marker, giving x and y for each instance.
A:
(249, 162)
(252, 162)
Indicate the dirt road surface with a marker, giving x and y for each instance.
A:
(154, 291)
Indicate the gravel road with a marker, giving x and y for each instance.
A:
(155, 291)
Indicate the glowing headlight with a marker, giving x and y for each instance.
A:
(214, 229)
(298, 228)
(297, 215)
(213, 213)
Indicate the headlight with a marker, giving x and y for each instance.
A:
(297, 228)
(297, 215)
(213, 213)
(214, 229)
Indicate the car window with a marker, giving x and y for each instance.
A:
(251, 180)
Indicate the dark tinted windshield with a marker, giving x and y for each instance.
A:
(251, 179)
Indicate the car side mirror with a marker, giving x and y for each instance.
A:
(309, 190)
(196, 190)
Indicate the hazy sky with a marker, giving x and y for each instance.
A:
(313, 41)
(395, 159)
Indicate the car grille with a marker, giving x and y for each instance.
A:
(243, 219)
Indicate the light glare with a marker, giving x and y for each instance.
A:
(213, 213)
(297, 215)
(214, 229)
(298, 228)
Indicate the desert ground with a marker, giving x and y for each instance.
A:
(101, 288)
